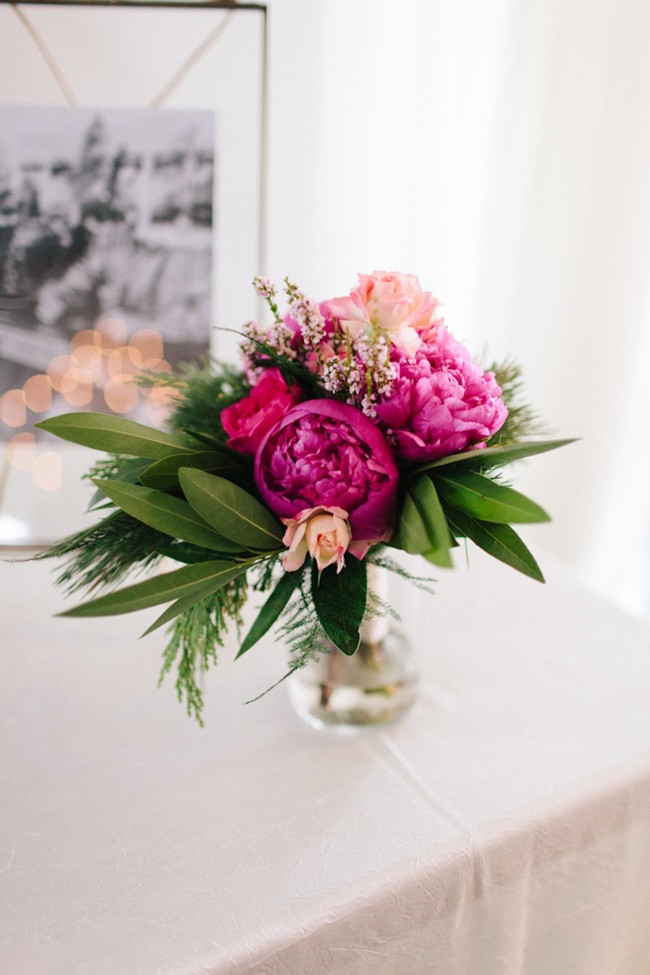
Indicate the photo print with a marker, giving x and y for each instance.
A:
(106, 235)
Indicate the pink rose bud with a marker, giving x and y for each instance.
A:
(249, 420)
(393, 302)
(323, 532)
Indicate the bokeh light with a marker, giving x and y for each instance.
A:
(13, 411)
(80, 395)
(38, 393)
(98, 371)
(112, 332)
(47, 471)
(119, 397)
(149, 347)
(21, 451)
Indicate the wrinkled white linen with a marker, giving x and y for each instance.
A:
(502, 829)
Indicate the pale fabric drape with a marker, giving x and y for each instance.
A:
(500, 829)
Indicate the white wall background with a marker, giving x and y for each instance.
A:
(501, 151)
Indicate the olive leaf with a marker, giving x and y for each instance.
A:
(340, 602)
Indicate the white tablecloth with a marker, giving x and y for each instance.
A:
(502, 828)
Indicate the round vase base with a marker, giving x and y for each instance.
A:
(375, 686)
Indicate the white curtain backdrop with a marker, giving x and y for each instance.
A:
(501, 151)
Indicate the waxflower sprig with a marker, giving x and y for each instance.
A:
(354, 425)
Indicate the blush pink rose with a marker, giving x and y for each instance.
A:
(326, 454)
(324, 533)
(441, 402)
(393, 302)
(248, 421)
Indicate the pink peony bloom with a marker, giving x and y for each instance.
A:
(441, 402)
(393, 302)
(323, 532)
(248, 421)
(328, 454)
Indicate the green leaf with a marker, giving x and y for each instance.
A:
(340, 602)
(493, 456)
(115, 435)
(218, 446)
(232, 511)
(439, 557)
(182, 552)
(422, 527)
(167, 514)
(163, 474)
(129, 471)
(210, 442)
(271, 610)
(411, 534)
(500, 541)
(483, 498)
(160, 589)
(433, 517)
(186, 602)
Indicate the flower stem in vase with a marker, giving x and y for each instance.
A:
(374, 686)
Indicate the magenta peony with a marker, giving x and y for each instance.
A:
(249, 420)
(328, 454)
(441, 402)
(393, 302)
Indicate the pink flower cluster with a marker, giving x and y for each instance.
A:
(441, 403)
(394, 389)
(325, 453)
(249, 420)
(390, 302)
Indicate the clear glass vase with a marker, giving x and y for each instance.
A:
(375, 686)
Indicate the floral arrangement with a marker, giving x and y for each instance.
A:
(354, 426)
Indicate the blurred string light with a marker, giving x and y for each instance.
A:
(98, 371)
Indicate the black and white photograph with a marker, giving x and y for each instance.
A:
(106, 234)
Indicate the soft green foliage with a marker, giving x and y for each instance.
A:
(483, 498)
(411, 534)
(235, 512)
(433, 519)
(314, 606)
(167, 514)
(301, 631)
(453, 501)
(205, 392)
(340, 602)
(114, 434)
(203, 577)
(271, 610)
(523, 421)
(195, 595)
(163, 474)
(422, 527)
(187, 496)
(378, 556)
(195, 637)
(114, 468)
(492, 457)
(300, 626)
(105, 553)
(205, 595)
(499, 541)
